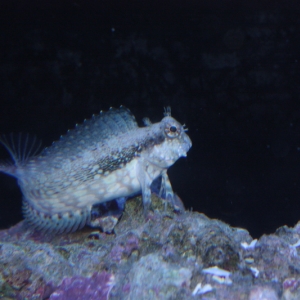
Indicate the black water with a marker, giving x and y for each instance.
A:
(229, 71)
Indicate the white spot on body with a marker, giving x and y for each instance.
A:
(65, 198)
(113, 188)
(96, 167)
(48, 193)
(126, 180)
(123, 190)
(110, 179)
(88, 198)
(79, 193)
(60, 205)
(72, 174)
(65, 184)
(75, 183)
(96, 185)
(81, 187)
(101, 192)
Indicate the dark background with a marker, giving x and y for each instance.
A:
(229, 71)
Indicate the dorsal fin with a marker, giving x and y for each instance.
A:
(147, 122)
(21, 146)
(113, 122)
(90, 132)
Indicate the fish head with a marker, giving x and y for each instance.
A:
(174, 144)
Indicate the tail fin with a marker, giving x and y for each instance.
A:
(20, 147)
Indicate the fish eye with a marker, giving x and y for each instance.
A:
(172, 131)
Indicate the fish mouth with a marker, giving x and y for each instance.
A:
(184, 154)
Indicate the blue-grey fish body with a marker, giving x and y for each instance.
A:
(105, 158)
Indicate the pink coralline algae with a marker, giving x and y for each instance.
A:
(120, 251)
(96, 287)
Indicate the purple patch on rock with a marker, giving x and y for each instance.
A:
(131, 244)
(120, 251)
(96, 287)
(116, 253)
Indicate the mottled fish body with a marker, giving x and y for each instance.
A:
(105, 158)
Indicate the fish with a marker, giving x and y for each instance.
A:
(106, 157)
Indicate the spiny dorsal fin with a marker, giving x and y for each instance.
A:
(99, 128)
(147, 122)
(21, 146)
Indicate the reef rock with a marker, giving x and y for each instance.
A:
(168, 256)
